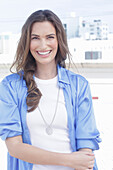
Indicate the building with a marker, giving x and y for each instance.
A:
(4, 43)
(69, 26)
(96, 51)
(92, 30)
(8, 45)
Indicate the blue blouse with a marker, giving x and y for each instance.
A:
(81, 121)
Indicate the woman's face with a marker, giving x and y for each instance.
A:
(44, 43)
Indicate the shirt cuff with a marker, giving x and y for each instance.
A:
(87, 143)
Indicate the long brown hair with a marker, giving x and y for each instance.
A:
(26, 62)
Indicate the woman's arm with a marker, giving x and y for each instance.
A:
(30, 153)
(36, 155)
(87, 150)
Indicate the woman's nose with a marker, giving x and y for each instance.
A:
(43, 44)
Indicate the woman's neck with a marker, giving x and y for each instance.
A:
(46, 72)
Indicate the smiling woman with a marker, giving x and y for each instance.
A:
(44, 45)
(46, 112)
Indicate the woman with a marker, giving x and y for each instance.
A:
(47, 118)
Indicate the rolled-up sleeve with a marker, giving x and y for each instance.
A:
(10, 123)
(87, 134)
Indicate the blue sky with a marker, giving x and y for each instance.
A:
(13, 13)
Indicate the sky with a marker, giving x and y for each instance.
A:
(13, 13)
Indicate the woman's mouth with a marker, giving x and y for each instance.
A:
(44, 52)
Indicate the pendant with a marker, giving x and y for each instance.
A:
(49, 130)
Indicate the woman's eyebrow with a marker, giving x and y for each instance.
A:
(50, 34)
(34, 35)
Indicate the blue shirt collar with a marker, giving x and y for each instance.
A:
(62, 75)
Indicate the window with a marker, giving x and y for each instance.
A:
(93, 55)
(83, 24)
(6, 37)
(65, 27)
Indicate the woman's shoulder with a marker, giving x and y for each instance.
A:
(76, 76)
(78, 82)
(12, 80)
(12, 86)
(11, 77)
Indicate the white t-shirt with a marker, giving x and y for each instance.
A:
(58, 141)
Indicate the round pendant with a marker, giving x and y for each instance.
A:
(49, 130)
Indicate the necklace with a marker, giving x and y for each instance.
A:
(49, 129)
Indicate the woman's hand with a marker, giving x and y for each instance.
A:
(82, 160)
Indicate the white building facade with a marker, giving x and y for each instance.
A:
(8, 45)
(93, 51)
(92, 30)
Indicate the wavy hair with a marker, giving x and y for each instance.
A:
(24, 61)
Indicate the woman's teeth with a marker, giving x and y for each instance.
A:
(44, 53)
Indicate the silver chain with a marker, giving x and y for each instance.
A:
(49, 129)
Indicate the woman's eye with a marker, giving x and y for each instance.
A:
(34, 38)
(51, 37)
